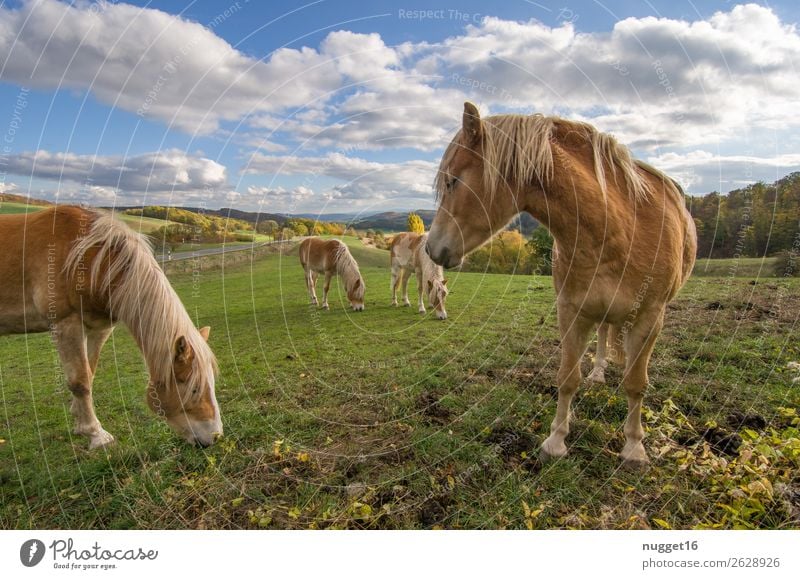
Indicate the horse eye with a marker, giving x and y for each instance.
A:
(451, 183)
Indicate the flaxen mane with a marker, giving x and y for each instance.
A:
(142, 298)
(347, 268)
(518, 149)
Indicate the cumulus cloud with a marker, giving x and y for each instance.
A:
(153, 63)
(358, 179)
(701, 171)
(165, 171)
(663, 86)
(653, 81)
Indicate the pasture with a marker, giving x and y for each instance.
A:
(386, 419)
(10, 207)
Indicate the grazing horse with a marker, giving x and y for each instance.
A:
(331, 257)
(626, 243)
(408, 255)
(75, 273)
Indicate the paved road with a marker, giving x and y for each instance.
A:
(215, 251)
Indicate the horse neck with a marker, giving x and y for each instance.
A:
(572, 206)
(430, 271)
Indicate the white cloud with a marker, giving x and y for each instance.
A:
(653, 80)
(152, 62)
(359, 179)
(165, 171)
(702, 172)
(663, 86)
(9, 188)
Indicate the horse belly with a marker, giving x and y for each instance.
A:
(19, 323)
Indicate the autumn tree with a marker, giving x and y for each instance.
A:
(415, 224)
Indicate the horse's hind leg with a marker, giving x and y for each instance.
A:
(598, 373)
(72, 351)
(406, 277)
(575, 332)
(396, 275)
(639, 343)
(311, 282)
(616, 345)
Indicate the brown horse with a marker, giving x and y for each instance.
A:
(626, 243)
(76, 272)
(331, 257)
(408, 256)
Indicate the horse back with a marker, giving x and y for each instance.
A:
(404, 249)
(319, 254)
(35, 291)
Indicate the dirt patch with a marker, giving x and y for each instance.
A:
(753, 312)
(738, 420)
(722, 442)
(430, 406)
(514, 446)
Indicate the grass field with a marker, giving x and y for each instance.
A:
(143, 224)
(752, 267)
(387, 419)
(8, 207)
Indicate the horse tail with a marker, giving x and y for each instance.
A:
(303, 252)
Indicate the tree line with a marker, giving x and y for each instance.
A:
(757, 220)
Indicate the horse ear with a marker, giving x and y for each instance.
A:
(183, 351)
(444, 281)
(205, 331)
(471, 123)
(430, 285)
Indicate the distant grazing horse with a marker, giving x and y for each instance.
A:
(76, 272)
(408, 256)
(626, 243)
(331, 257)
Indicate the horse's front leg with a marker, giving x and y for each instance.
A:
(639, 343)
(72, 351)
(575, 332)
(325, 289)
(598, 373)
(421, 308)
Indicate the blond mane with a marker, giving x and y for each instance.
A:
(519, 149)
(347, 268)
(126, 275)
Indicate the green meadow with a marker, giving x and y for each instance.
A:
(390, 419)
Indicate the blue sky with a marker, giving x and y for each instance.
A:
(343, 106)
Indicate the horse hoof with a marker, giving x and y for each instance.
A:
(546, 453)
(545, 456)
(633, 465)
(325, 307)
(100, 440)
(597, 376)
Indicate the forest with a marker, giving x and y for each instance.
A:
(757, 220)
